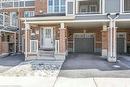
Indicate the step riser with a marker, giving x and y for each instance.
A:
(46, 53)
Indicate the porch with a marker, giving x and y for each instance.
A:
(54, 41)
(61, 35)
(46, 42)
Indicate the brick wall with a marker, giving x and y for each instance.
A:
(40, 5)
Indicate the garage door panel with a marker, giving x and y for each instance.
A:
(120, 45)
(84, 45)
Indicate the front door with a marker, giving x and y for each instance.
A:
(47, 38)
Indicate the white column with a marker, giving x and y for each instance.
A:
(15, 42)
(27, 27)
(112, 42)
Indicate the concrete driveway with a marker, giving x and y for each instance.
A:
(10, 61)
(90, 65)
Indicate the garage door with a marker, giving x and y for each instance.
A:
(84, 43)
(120, 43)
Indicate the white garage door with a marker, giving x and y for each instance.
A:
(84, 42)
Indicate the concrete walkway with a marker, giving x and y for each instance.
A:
(92, 82)
(10, 61)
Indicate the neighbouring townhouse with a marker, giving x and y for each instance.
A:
(51, 29)
(10, 25)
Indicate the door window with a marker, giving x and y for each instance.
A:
(48, 33)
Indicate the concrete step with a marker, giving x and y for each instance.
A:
(46, 53)
(42, 57)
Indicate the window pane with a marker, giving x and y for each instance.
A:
(62, 9)
(0, 5)
(127, 5)
(21, 3)
(29, 3)
(62, 6)
(50, 6)
(50, 2)
(56, 5)
(15, 4)
(50, 9)
(62, 2)
(29, 13)
(7, 4)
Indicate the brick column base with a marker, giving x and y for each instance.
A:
(62, 45)
(62, 41)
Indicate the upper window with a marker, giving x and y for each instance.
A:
(56, 6)
(16, 3)
(29, 13)
(13, 18)
(29, 3)
(126, 6)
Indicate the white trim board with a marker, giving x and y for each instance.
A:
(75, 21)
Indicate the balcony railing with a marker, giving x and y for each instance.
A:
(57, 46)
(6, 24)
(34, 46)
(88, 7)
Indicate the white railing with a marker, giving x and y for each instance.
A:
(6, 21)
(34, 46)
(57, 46)
(1, 19)
(90, 8)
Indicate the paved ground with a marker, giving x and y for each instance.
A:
(85, 65)
(83, 70)
(79, 70)
(10, 61)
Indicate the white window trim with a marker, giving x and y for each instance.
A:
(74, 7)
(53, 11)
(103, 6)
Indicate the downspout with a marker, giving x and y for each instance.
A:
(110, 35)
(115, 36)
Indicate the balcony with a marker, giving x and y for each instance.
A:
(88, 7)
(7, 24)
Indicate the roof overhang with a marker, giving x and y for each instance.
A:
(53, 18)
